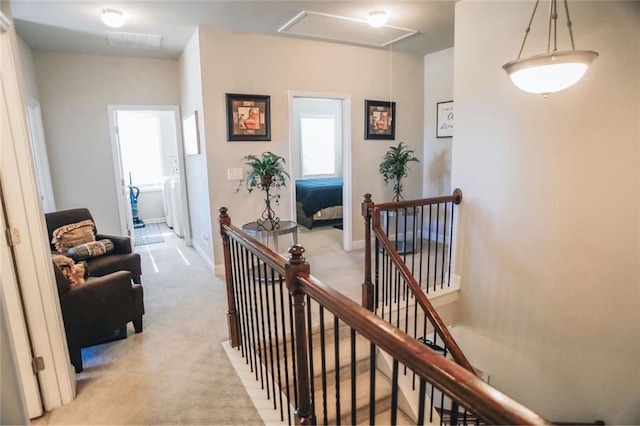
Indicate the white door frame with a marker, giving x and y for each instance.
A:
(40, 155)
(347, 207)
(124, 205)
(40, 302)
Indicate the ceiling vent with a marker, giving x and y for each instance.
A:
(134, 40)
(342, 29)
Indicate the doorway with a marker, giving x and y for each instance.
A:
(149, 169)
(40, 156)
(320, 150)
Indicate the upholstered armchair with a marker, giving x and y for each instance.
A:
(98, 310)
(119, 258)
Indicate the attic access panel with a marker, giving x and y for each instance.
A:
(342, 29)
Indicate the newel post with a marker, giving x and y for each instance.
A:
(297, 266)
(232, 316)
(367, 285)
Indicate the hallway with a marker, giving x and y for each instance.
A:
(176, 371)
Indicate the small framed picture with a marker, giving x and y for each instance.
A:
(248, 117)
(379, 120)
(191, 134)
(444, 119)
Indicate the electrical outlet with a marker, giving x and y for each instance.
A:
(235, 174)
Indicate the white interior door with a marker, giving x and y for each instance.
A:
(17, 326)
(122, 189)
(40, 156)
(9, 290)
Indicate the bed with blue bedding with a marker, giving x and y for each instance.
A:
(318, 199)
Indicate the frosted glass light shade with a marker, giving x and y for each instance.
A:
(551, 72)
(112, 18)
(377, 18)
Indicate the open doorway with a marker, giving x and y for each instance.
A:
(320, 165)
(149, 171)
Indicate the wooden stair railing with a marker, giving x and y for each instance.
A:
(402, 275)
(295, 349)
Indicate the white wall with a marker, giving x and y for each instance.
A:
(438, 87)
(550, 222)
(200, 213)
(74, 93)
(266, 65)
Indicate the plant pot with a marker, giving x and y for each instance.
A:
(400, 225)
(266, 181)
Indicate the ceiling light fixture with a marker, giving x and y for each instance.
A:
(377, 18)
(113, 18)
(552, 71)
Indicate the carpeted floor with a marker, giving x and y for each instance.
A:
(176, 371)
(148, 234)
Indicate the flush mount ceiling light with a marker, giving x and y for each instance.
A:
(377, 18)
(112, 18)
(554, 70)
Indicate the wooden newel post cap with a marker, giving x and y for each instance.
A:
(223, 211)
(457, 193)
(367, 198)
(296, 251)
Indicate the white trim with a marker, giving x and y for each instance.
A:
(204, 257)
(32, 254)
(347, 204)
(5, 23)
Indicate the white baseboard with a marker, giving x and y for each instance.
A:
(204, 256)
(154, 219)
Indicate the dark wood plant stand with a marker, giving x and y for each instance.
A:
(268, 221)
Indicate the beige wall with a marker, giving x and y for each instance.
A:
(438, 87)
(27, 70)
(550, 250)
(74, 93)
(265, 65)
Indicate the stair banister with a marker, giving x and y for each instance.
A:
(298, 267)
(232, 315)
(457, 382)
(371, 212)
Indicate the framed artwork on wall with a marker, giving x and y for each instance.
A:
(444, 119)
(191, 134)
(248, 117)
(379, 119)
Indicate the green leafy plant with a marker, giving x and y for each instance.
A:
(395, 166)
(265, 171)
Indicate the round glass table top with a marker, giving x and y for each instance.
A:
(267, 228)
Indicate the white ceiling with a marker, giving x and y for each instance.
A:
(75, 25)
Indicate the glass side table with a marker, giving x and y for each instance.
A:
(266, 233)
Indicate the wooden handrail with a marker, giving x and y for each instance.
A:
(455, 198)
(420, 296)
(454, 380)
(370, 210)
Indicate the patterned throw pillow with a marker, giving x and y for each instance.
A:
(91, 249)
(72, 235)
(74, 272)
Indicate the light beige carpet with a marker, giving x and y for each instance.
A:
(176, 371)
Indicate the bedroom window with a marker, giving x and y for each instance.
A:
(317, 140)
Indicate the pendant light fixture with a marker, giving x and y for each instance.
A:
(554, 70)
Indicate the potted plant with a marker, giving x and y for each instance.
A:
(395, 166)
(267, 173)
